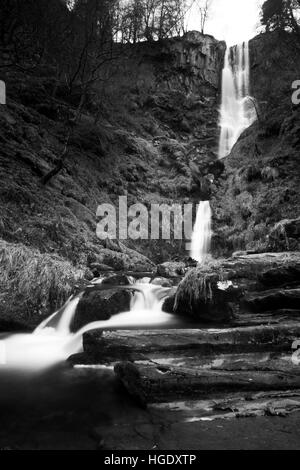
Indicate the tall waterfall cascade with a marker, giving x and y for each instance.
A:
(237, 109)
(201, 238)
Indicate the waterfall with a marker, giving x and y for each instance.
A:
(201, 238)
(52, 342)
(149, 297)
(237, 109)
(145, 311)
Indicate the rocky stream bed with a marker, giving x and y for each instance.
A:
(226, 376)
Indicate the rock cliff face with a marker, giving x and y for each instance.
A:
(149, 133)
(259, 189)
(196, 64)
(192, 63)
(155, 140)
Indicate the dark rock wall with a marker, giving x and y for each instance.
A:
(155, 140)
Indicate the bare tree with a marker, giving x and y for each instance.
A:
(204, 7)
(152, 19)
(87, 59)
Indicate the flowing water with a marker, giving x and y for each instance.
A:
(202, 233)
(53, 342)
(237, 109)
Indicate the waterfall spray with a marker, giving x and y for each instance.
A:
(237, 110)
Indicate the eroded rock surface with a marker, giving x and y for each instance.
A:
(224, 288)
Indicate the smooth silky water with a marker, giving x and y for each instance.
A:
(237, 108)
(37, 382)
(202, 233)
(53, 342)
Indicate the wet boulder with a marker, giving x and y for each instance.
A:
(162, 281)
(169, 304)
(116, 280)
(171, 269)
(286, 274)
(127, 260)
(208, 301)
(221, 289)
(97, 269)
(274, 299)
(100, 305)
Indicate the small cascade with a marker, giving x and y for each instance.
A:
(46, 346)
(202, 233)
(148, 297)
(145, 311)
(61, 320)
(237, 108)
(52, 342)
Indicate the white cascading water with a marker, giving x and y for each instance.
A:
(53, 342)
(237, 108)
(201, 238)
(145, 311)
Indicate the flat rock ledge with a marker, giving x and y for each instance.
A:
(204, 374)
(221, 289)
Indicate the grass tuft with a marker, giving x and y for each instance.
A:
(198, 282)
(32, 282)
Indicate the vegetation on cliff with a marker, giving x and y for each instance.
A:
(259, 188)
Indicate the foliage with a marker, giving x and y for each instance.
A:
(281, 15)
(151, 19)
(39, 282)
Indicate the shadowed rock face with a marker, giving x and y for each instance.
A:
(101, 301)
(97, 306)
(223, 289)
(192, 63)
(198, 61)
(275, 299)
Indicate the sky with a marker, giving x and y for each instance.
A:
(231, 20)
